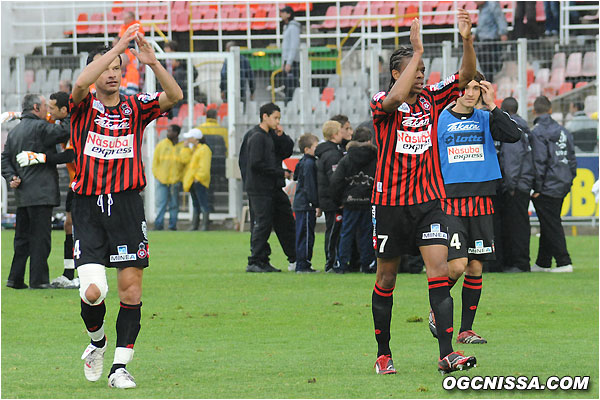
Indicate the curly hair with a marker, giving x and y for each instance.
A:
(396, 60)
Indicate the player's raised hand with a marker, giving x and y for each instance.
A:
(127, 37)
(464, 23)
(488, 93)
(146, 52)
(415, 36)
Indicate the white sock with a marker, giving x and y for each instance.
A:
(96, 336)
(123, 355)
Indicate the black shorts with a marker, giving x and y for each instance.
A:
(399, 230)
(471, 237)
(114, 235)
(69, 201)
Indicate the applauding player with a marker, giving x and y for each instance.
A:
(109, 225)
(408, 188)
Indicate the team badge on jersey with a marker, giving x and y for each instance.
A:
(404, 108)
(97, 105)
(126, 109)
(424, 103)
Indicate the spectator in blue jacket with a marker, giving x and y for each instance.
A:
(351, 186)
(516, 164)
(555, 168)
(306, 203)
(246, 76)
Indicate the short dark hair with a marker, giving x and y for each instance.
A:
(510, 105)
(362, 134)
(341, 118)
(542, 105)
(268, 109)
(578, 105)
(175, 128)
(478, 77)
(212, 113)
(172, 45)
(100, 50)
(306, 140)
(30, 100)
(62, 99)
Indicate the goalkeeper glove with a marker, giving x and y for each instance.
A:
(27, 158)
(9, 116)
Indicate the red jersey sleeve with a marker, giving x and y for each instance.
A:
(149, 106)
(445, 92)
(377, 107)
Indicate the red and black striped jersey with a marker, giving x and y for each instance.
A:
(108, 143)
(408, 165)
(468, 206)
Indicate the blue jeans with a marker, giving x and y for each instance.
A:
(359, 223)
(199, 194)
(552, 9)
(167, 196)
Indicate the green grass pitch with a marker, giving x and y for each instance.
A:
(210, 330)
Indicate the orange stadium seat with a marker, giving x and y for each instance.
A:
(183, 111)
(530, 76)
(434, 77)
(442, 17)
(428, 6)
(565, 87)
(390, 8)
(328, 95)
(223, 111)
(259, 25)
(410, 13)
(580, 84)
(208, 26)
(179, 5)
(273, 15)
(330, 23)
(346, 11)
(199, 110)
(243, 25)
(180, 20)
(508, 5)
(98, 27)
(82, 29)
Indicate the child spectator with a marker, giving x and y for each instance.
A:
(329, 154)
(306, 203)
(352, 185)
(196, 178)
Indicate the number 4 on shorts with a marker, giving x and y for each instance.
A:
(76, 251)
(455, 241)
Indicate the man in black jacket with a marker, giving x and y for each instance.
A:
(328, 155)
(516, 163)
(36, 191)
(555, 168)
(263, 149)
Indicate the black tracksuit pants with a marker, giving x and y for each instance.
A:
(271, 212)
(32, 240)
(552, 235)
(516, 230)
(333, 228)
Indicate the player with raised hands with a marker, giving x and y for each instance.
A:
(408, 187)
(109, 225)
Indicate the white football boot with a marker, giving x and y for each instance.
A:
(94, 362)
